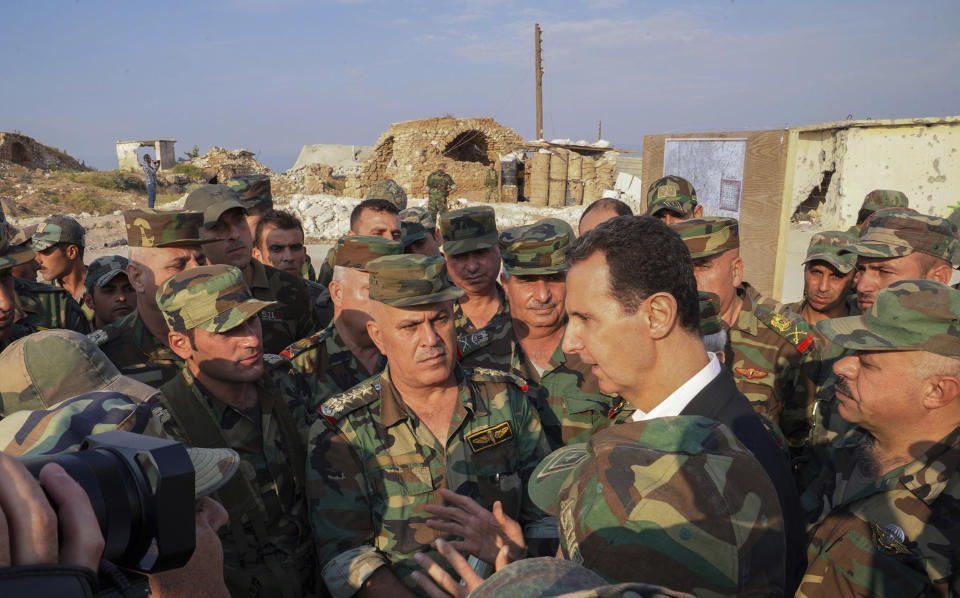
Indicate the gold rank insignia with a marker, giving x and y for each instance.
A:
(489, 437)
(779, 322)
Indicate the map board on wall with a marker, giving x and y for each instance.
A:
(714, 167)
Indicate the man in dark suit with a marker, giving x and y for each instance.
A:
(634, 316)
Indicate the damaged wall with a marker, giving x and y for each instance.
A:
(29, 153)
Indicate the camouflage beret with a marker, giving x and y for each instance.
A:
(826, 246)
(46, 367)
(418, 215)
(212, 200)
(538, 248)
(354, 251)
(252, 190)
(468, 229)
(879, 199)
(57, 229)
(389, 190)
(155, 228)
(710, 322)
(64, 427)
(896, 232)
(705, 237)
(909, 315)
(671, 193)
(12, 255)
(410, 279)
(679, 495)
(103, 269)
(212, 298)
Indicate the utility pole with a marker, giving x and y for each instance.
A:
(599, 130)
(538, 68)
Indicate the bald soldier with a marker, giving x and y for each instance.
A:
(425, 430)
(162, 243)
(562, 389)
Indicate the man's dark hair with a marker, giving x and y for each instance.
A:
(377, 205)
(608, 203)
(645, 256)
(278, 218)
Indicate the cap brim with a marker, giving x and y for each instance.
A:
(234, 316)
(16, 256)
(132, 388)
(521, 271)
(41, 244)
(212, 213)
(552, 474)
(107, 277)
(837, 262)
(411, 239)
(876, 250)
(212, 468)
(468, 245)
(448, 294)
(856, 335)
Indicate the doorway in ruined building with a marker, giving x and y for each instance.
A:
(19, 154)
(469, 146)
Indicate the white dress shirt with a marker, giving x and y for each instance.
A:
(680, 398)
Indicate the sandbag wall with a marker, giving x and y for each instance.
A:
(559, 177)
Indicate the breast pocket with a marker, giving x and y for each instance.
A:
(497, 475)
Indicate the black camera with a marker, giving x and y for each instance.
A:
(142, 491)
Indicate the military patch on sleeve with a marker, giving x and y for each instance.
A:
(795, 330)
(889, 539)
(491, 375)
(468, 343)
(490, 437)
(751, 373)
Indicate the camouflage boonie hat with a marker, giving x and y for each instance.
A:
(212, 298)
(909, 315)
(671, 193)
(710, 322)
(389, 190)
(705, 237)
(410, 279)
(64, 427)
(468, 229)
(538, 248)
(103, 269)
(826, 247)
(419, 215)
(155, 228)
(879, 199)
(46, 367)
(898, 232)
(212, 200)
(679, 495)
(57, 229)
(354, 251)
(12, 255)
(252, 190)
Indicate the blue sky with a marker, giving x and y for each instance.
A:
(274, 75)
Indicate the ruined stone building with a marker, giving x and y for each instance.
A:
(29, 153)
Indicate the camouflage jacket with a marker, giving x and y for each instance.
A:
(819, 363)
(275, 530)
(328, 365)
(566, 395)
(898, 535)
(292, 317)
(439, 184)
(43, 306)
(325, 275)
(321, 303)
(765, 354)
(501, 317)
(372, 471)
(136, 352)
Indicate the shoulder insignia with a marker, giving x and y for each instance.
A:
(794, 329)
(490, 437)
(468, 343)
(889, 539)
(616, 409)
(341, 404)
(304, 344)
(491, 375)
(751, 373)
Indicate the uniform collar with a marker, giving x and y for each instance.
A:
(392, 409)
(260, 280)
(928, 476)
(747, 321)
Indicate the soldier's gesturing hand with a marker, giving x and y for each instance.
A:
(448, 586)
(484, 533)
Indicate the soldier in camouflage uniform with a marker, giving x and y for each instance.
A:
(389, 190)
(229, 394)
(879, 199)
(561, 387)
(439, 186)
(473, 264)
(21, 237)
(491, 181)
(369, 218)
(11, 327)
(767, 346)
(291, 316)
(884, 510)
(109, 294)
(673, 199)
(419, 232)
(59, 242)
(677, 501)
(254, 192)
(342, 355)
(393, 448)
(161, 244)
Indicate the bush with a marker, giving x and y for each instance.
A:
(191, 170)
(115, 180)
(85, 201)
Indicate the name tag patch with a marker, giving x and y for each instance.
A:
(489, 437)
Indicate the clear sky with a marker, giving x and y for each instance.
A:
(272, 75)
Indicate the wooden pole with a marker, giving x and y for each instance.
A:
(599, 130)
(538, 69)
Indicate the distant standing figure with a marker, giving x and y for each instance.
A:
(150, 171)
(491, 180)
(439, 185)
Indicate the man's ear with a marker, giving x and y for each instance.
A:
(88, 300)
(736, 269)
(940, 273)
(180, 344)
(71, 251)
(376, 335)
(698, 211)
(258, 256)
(135, 276)
(661, 314)
(336, 292)
(940, 391)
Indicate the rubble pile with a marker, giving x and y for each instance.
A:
(219, 164)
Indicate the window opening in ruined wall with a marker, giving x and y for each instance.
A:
(469, 146)
(809, 209)
(19, 154)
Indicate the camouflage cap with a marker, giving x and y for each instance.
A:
(954, 217)
(103, 269)
(538, 248)
(212, 298)
(710, 322)
(468, 229)
(156, 228)
(252, 190)
(12, 255)
(826, 246)
(63, 428)
(57, 229)
(671, 193)
(212, 200)
(418, 215)
(389, 190)
(354, 251)
(22, 236)
(411, 232)
(681, 495)
(410, 279)
(46, 367)
(879, 199)
(705, 237)
(909, 315)
(897, 232)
